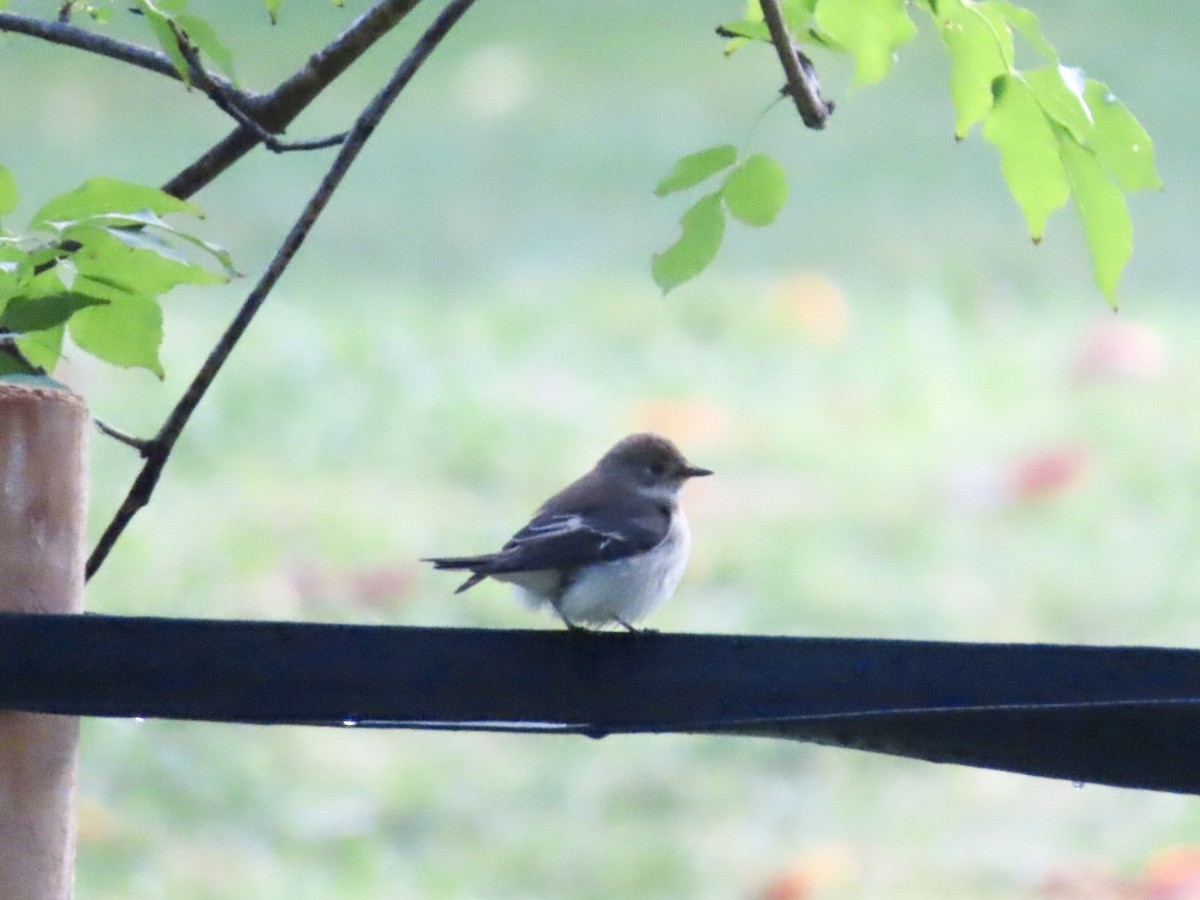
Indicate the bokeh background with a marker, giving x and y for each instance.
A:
(923, 427)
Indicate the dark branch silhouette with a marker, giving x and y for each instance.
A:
(258, 115)
(159, 448)
(276, 110)
(141, 445)
(802, 84)
(230, 102)
(69, 35)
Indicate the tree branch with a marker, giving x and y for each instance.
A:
(159, 449)
(802, 83)
(276, 110)
(141, 445)
(259, 116)
(135, 54)
(229, 102)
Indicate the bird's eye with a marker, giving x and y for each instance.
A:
(656, 469)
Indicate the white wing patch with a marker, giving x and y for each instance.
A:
(550, 526)
(608, 536)
(556, 526)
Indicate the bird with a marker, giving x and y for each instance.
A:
(608, 548)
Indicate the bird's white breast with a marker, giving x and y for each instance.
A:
(629, 589)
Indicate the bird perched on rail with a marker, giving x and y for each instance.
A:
(608, 548)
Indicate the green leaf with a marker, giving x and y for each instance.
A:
(127, 332)
(134, 238)
(117, 224)
(756, 190)
(796, 13)
(1029, 152)
(66, 272)
(1059, 92)
(1120, 141)
(981, 49)
(870, 30)
(97, 196)
(695, 168)
(42, 348)
(273, 9)
(1105, 216)
(1026, 23)
(734, 44)
(8, 192)
(136, 261)
(45, 257)
(703, 228)
(745, 31)
(26, 314)
(202, 34)
(160, 23)
(8, 281)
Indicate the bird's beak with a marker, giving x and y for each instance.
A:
(696, 472)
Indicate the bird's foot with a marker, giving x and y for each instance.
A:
(633, 630)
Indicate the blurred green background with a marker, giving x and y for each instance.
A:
(923, 427)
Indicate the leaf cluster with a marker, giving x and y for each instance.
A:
(753, 191)
(1060, 134)
(93, 263)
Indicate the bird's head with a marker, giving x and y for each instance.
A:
(651, 462)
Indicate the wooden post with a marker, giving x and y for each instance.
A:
(43, 496)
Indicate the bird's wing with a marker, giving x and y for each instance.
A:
(565, 540)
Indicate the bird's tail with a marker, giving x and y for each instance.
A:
(474, 563)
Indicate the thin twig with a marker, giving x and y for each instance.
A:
(159, 449)
(277, 146)
(80, 38)
(249, 109)
(228, 103)
(802, 83)
(276, 110)
(141, 445)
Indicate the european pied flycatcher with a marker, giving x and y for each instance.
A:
(609, 547)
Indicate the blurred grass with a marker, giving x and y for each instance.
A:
(473, 322)
(315, 478)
